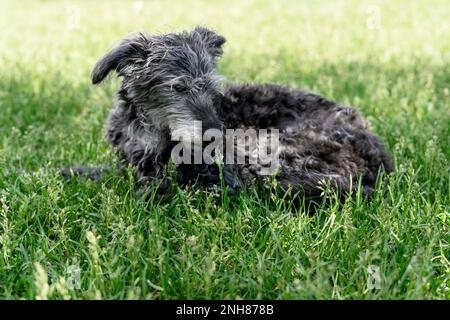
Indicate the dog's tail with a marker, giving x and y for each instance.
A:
(92, 173)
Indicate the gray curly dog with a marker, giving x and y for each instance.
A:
(170, 82)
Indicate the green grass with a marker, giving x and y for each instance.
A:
(210, 245)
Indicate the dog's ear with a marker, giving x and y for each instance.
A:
(128, 51)
(213, 40)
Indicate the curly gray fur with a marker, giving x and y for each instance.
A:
(171, 80)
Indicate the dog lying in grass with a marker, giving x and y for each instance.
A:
(170, 83)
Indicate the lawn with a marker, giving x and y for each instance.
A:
(82, 239)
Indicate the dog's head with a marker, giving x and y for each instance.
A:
(170, 79)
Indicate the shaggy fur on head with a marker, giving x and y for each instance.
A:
(170, 80)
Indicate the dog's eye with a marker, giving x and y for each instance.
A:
(179, 88)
